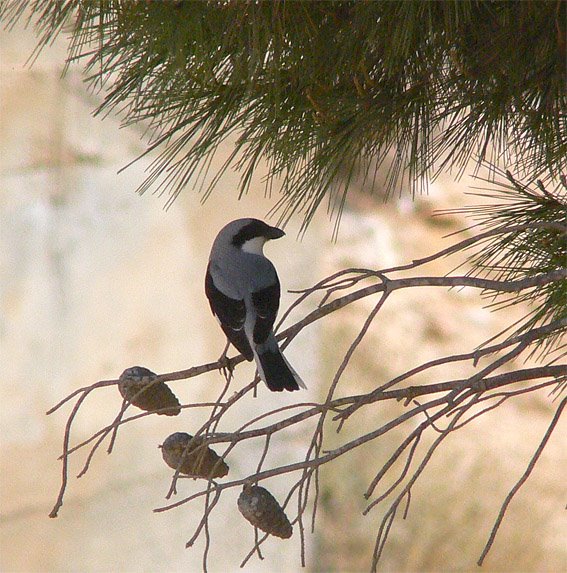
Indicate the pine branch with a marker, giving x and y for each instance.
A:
(479, 383)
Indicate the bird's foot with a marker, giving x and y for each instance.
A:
(226, 366)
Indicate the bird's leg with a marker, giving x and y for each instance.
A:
(225, 363)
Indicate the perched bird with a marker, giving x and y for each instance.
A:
(244, 293)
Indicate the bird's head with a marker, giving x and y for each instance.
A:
(250, 235)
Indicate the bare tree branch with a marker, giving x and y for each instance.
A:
(447, 405)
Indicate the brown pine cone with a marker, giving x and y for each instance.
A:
(262, 510)
(136, 385)
(197, 462)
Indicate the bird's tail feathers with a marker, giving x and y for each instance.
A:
(276, 371)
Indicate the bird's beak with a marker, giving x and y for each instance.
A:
(275, 233)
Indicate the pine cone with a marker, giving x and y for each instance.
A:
(262, 510)
(135, 385)
(202, 462)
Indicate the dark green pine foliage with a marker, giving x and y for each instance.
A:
(329, 91)
(325, 91)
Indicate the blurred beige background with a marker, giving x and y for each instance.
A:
(94, 278)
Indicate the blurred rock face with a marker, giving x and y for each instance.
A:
(95, 279)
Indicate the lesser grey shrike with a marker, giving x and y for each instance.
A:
(244, 293)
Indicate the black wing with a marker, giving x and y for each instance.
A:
(266, 302)
(231, 314)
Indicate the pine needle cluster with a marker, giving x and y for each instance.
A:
(530, 239)
(325, 91)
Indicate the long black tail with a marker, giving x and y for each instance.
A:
(276, 372)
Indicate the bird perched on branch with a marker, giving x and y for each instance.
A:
(244, 293)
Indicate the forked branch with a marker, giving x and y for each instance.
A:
(451, 403)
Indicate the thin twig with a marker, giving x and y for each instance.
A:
(522, 480)
(65, 455)
(384, 531)
(456, 399)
